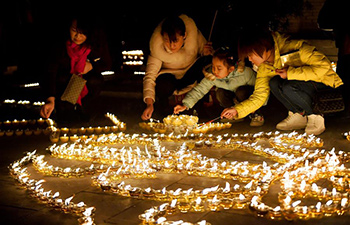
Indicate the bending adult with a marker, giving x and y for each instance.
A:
(178, 53)
(294, 79)
(85, 53)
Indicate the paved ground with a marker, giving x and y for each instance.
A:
(17, 207)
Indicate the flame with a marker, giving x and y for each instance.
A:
(88, 211)
(241, 197)
(227, 187)
(344, 201)
(329, 202)
(198, 201)
(161, 220)
(294, 204)
(80, 204)
(173, 203)
(67, 201)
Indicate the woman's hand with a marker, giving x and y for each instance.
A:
(179, 108)
(88, 67)
(282, 72)
(47, 109)
(208, 49)
(229, 113)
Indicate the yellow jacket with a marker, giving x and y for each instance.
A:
(312, 66)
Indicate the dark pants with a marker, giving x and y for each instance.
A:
(166, 83)
(297, 96)
(226, 97)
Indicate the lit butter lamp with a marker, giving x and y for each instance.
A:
(64, 138)
(214, 203)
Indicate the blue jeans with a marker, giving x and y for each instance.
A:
(297, 96)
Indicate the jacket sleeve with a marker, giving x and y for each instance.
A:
(315, 65)
(259, 96)
(197, 93)
(247, 77)
(149, 81)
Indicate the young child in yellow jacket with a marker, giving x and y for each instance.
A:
(293, 70)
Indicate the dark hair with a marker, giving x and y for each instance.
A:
(254, 40)
(226, 55)
(85, 25)
(173, 25)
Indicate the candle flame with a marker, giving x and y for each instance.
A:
(344, 201)
(173, 203)
(294, 204)
(67, 201)
(88, 211)
(161, 220)
(241, 197)
(198, 200)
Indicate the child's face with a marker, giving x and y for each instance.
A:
(219, 69)
(256, 59)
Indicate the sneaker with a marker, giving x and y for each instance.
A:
(257, 120)
(315, 124)
(293, 121)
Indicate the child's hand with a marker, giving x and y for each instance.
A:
(282, 72)
(229, 113)
(179, 108)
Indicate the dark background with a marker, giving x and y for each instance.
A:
(28, 28)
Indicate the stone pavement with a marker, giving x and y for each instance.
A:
(18, 207)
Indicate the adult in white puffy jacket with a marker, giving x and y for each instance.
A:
(178, 53)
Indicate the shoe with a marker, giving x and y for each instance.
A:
(315, 124)
(225, 120)
(293, 121)
(257, 120)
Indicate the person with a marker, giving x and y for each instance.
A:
(233, 82)
(85, 53)
(178, 52)
(334, 17)
(294, 82)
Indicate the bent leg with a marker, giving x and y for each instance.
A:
(276, 87)
(225, 97)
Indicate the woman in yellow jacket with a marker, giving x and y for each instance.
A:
(293, 70)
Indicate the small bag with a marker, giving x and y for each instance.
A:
(329, 101)
(73, 89)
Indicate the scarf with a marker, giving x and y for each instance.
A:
(78, 56)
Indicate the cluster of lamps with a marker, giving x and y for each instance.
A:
(180, 124)
(22, 102)
(65, 134)
(297, 168)
(23, 127)
(299, 165)
(133, 57)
